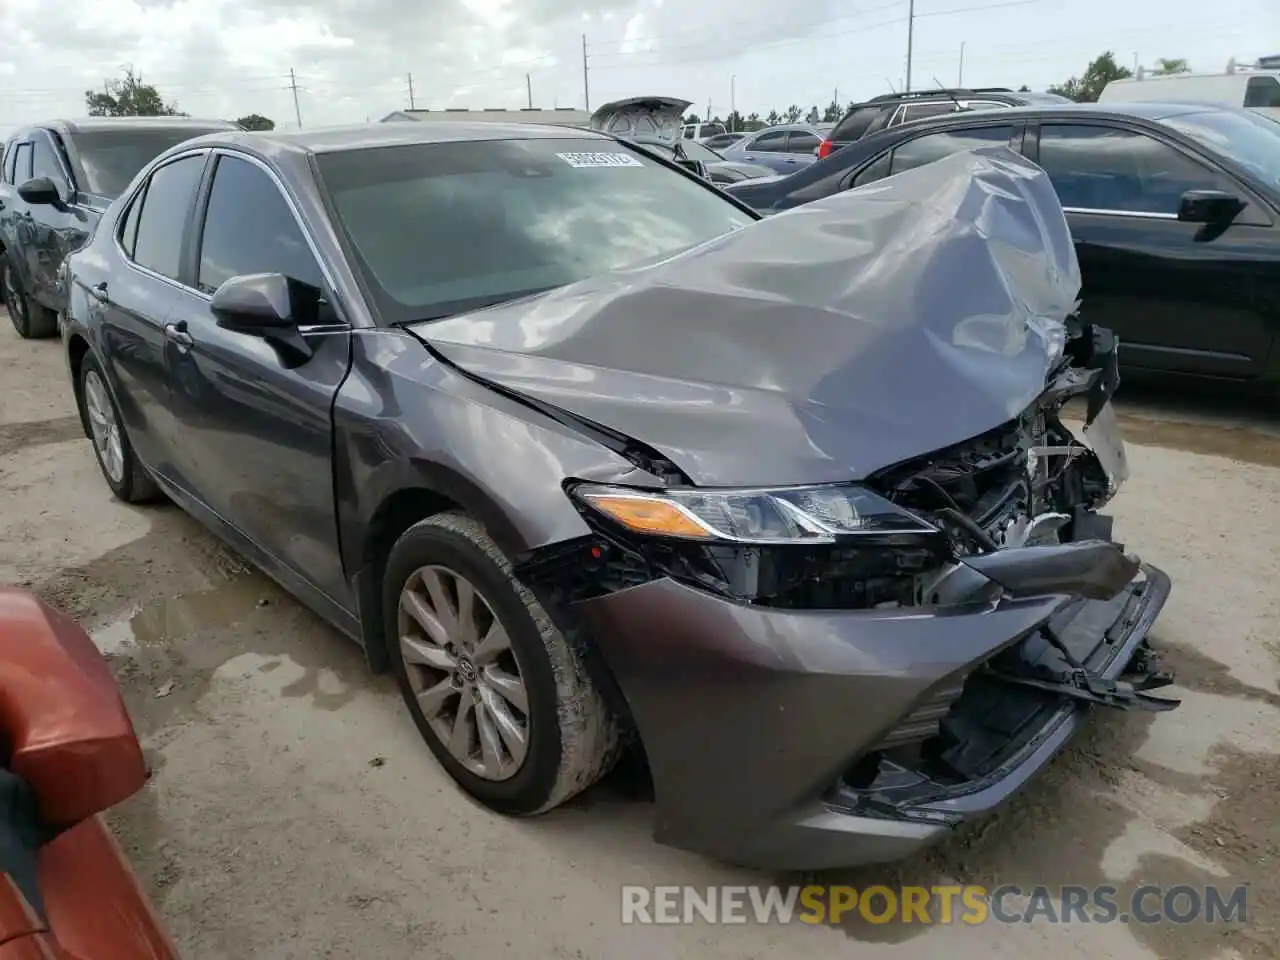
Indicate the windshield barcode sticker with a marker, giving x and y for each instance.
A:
(599, 159)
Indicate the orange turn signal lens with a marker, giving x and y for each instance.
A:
(648, 515)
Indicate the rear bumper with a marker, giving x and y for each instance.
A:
(750, 717)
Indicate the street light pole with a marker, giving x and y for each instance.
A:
(911, 29)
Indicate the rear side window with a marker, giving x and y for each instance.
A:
(249, 228)
(802, 142)
(1107, 169)
(772, 142)
(1262, 92)
(163, 218)
(918, 111)
(709, 129)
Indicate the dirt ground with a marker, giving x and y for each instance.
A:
(294, 812)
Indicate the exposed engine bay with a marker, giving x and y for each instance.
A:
(1030, 483)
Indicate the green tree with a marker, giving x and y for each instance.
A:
(1171, 65)
(129, 97)
(794, 114)
(753, 122)
(1088, 86)
(814, 115)
(773, 119)
(833, 113)
(1024, 89)
(256, 121)
(692, 118)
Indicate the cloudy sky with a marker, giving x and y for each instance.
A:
(352, 58)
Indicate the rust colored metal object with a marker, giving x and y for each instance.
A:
(70, 738)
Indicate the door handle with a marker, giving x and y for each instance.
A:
(177, 332)
(99, 292)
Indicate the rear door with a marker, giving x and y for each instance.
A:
(257, 431)
(15, 216)
(135, 302)
(769, 149)
(1181, 299)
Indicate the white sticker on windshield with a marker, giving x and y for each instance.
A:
(599, 159)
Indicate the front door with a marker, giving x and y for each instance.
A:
(257, 429)
(1181, 299)
(54, 232)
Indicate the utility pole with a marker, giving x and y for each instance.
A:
(911, 29)
(412, 104)
(586, 87)
(733, 101)
(528, 86)
(293, 85)
(960, 75)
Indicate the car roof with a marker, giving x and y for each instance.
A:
(395, 133)
(91, 124)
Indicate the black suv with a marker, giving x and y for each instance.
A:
(891, 109)
(58, 178)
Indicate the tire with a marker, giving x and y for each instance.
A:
(571, 738)
(129, 481)
(30, 319)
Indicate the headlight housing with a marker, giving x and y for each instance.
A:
(789, 515)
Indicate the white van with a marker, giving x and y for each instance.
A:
(1255, 87)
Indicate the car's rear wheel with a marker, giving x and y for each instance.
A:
(125, 475)
(502, 700)
(30, 319)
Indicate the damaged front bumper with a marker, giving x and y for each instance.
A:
(798, 739)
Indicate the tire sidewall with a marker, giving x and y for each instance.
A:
(19, 312)
(124, 489)
(429, 543)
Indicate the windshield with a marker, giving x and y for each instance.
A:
(1250, 140)
(440, 228)
(109, 159)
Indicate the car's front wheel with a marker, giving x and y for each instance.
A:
(124, 473)
(30, 319)
(501, 698)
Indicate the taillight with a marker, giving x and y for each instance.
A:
(825, 149)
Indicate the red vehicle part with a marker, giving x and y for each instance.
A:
(70, 741)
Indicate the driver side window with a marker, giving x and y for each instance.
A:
(926, 149)
(249, 228)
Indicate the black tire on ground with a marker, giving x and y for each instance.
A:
(573, 738)
(30, 319)
(135, 484)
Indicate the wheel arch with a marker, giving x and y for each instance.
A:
(417, 490)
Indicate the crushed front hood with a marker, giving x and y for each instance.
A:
(818, 345)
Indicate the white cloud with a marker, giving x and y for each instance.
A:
(352, 58)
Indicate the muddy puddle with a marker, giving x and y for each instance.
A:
(183, 615)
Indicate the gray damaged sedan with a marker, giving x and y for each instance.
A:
(597, 462)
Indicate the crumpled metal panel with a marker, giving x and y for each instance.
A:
(817, 345)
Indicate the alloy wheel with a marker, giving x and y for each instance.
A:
(463, 672)
(104, 428)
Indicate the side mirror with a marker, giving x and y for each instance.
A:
(41, 191)
(261, 305)
(1213, 207)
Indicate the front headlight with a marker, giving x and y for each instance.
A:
(818, 514)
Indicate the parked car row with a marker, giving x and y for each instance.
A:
(56, 180)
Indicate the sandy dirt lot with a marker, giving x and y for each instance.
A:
(294, 812)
